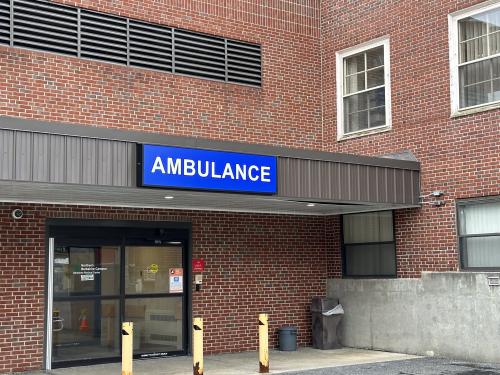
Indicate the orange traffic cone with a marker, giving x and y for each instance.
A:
(84, 322)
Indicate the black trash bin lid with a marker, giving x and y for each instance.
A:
(288, 329)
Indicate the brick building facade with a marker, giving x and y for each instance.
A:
(421, 119)
(268, 260)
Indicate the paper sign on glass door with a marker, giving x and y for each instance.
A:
(176, 280)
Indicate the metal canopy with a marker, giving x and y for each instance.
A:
(42, 162)
(17, 191)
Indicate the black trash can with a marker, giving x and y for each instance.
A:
(288, 338)
(324, 327)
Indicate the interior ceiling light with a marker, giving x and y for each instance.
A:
(169, 197)
(311, 204)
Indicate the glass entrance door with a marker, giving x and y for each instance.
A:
(99, 283)
(86, 292)
(154, 289)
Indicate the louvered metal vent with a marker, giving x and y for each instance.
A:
(200, 55)
(46, 26)
(103, 37)
(4, 22)
(243, 63)
(150, 46)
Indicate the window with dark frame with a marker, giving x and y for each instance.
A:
(479, 233)
(368, 245)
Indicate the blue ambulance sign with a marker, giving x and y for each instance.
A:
(187, 168)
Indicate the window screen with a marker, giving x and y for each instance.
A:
(479, 234)
(368, 245)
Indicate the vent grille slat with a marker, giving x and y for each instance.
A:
(151, 55)
(95, 54)
(244, 63)
(199, 73)
(202, 38)
(150, 46)
(146, 48)
(205, 52)
(140, 39)
(45, 34)
(103, 37)
(181, 44)
(57, 28)
(53, 30)
(199, 55)
(42, 39)
(97, 32)
(190, 61)
(239, 57)
(107, 43)
(144, 63)
(45, 26)
(250, 48)
(61, 9)
(243, 66)
(4, 22)
(45, 12)
(96, 19)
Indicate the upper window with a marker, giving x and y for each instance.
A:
(475, 57)
(479, 234)
(363, 89)
(368, 245)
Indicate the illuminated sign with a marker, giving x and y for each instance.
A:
(187, 168)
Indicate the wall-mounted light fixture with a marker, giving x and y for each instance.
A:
(433, 202)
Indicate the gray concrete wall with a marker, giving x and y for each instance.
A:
(449, 314)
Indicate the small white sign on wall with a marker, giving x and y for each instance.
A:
(87, 277)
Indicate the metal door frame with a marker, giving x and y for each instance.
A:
(186, 245)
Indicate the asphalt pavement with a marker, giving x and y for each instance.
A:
(419, 366)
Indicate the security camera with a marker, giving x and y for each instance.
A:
(17, 214)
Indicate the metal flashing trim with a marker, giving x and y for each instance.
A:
(402, 155)
(38, 126)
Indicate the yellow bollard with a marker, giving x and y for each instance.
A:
(198, 346)
(263, 344)
(127, 347)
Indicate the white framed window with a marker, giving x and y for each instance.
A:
(474, 37)
(363, 89)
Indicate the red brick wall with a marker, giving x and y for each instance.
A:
(284, 111)
(295, 107)
(333, 239)
(458, 155)
(254, 263)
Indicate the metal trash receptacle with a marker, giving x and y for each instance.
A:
(288, 338)
(324, 328)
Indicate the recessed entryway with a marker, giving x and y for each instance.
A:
(107, 273)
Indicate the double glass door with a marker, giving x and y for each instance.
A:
(98, 286)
